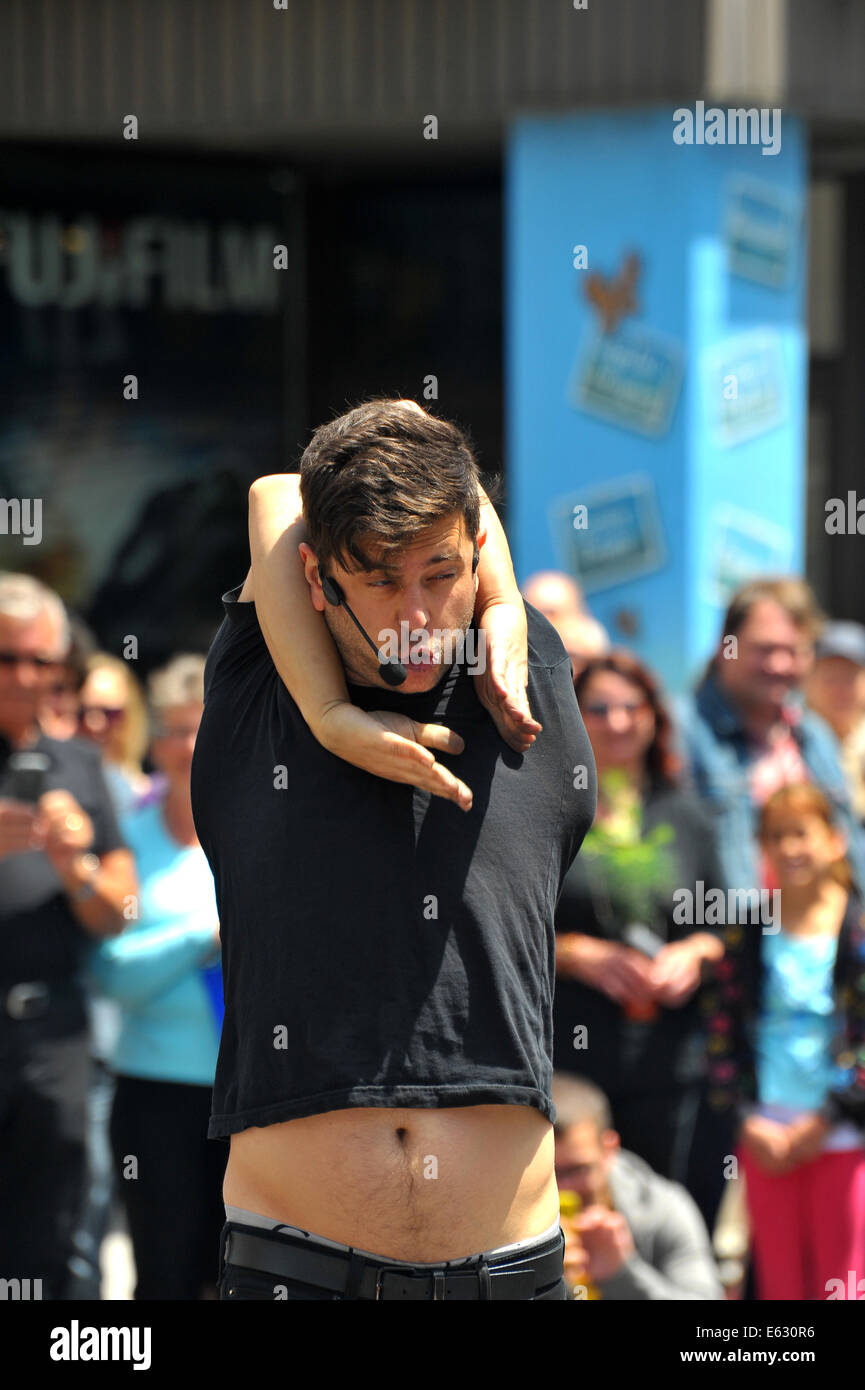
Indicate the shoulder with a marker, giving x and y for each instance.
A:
(73, 755)
(552, 697)
(237, 611)
(238, 651)
(813, 729)
(141, 821)
(633, 1181)
(694, 715)
(639, 1186)
(544, 643)
(154, 791)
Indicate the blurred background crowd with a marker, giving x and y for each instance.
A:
(221, 226)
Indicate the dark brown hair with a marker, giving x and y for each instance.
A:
(662, 763)
(385, 472)
(577, 1102)
(808, 800)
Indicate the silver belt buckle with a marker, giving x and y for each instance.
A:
(21, 995)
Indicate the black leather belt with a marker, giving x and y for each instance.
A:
(520, 1278)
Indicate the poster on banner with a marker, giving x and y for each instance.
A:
(761, 231)
(607, 534)
(630, 377)
(744, 387)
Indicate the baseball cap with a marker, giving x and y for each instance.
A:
(842, 639)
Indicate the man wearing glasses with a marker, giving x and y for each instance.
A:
(745, 731)
(65, 878)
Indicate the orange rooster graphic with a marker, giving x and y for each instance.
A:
(613, 298)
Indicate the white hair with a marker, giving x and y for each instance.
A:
(24, 599)
(180, 682)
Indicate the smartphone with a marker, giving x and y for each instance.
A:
(27, 773)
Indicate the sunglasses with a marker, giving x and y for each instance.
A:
(602, 708)
(111, 715)
(44, 663)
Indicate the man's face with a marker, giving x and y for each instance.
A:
(427, 596)
(773, 657)
(24, 682)
(174, 741)
(583, 1159)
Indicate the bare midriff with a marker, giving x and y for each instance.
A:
(411, 1184)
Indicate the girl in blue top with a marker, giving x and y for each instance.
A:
(790, 1049)
(161, 971)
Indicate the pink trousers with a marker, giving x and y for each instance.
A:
(808, 1227)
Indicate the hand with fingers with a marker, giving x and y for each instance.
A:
(393, 746)
(502, 681)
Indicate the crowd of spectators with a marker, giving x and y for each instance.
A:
(110, 979)
(710, 995)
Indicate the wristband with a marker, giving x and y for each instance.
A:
(86, 890)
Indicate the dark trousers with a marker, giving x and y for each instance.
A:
(677, 1134)
(169, 1177)
(714, 1142)
(43, 1084)
(85, 1280)
(244, 1284)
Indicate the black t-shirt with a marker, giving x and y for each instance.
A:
(380, 946)
(40, 936)
(625, 1056)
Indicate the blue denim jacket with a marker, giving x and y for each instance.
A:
(716, 750)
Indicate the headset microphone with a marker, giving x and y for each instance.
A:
(393, 673)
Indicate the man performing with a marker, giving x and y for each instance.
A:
(385, 1068)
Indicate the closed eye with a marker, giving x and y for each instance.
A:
(381, 583)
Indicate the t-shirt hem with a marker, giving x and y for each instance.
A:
(385, 1097)
(124, 1068)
